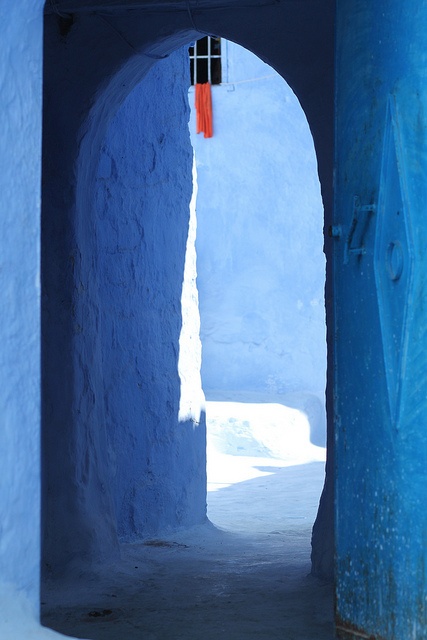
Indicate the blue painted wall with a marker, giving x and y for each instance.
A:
(261, 267)
(128, 467)
(20, 161)
(380, 385)
(158, 463)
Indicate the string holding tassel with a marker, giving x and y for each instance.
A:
(203, 104)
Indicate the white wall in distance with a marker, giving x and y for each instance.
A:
(261, 266)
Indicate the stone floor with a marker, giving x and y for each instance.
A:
(246, 577)
(242, 575)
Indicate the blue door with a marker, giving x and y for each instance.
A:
(380, 271)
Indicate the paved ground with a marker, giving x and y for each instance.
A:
(208, 584)
(244, 578)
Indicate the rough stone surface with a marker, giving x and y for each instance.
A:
(142, 206)
(132, 467)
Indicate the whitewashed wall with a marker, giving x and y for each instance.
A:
(261, 267)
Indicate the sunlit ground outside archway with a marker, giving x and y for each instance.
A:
(252, 452)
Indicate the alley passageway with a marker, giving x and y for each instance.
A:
(94, 450)
(121, 459)
(247, 576)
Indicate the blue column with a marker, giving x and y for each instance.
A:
(380, 235)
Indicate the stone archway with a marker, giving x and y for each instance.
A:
(93, 58)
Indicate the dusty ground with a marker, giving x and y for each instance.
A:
(246, 577)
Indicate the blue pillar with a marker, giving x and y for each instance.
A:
(380, 235)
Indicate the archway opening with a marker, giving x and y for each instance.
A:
(261, 277)
(89, 366)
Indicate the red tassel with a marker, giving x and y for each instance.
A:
(203, 104)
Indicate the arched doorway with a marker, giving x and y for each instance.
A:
(260, 281)
(77, 402)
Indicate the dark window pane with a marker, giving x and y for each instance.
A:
(216, 46)
(216, 70)
(202, 46)
(202, 70)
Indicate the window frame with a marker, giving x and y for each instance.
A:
(195, 56)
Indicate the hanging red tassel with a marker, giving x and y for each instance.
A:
(203, 104)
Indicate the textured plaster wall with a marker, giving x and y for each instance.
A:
(143, 193)
(115, 451)
(20, 144)
(261, 267)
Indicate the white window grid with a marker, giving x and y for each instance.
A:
(209, 56)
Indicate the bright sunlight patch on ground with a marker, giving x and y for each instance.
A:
(243, 438)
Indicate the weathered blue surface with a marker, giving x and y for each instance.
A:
(381, 385)
(114, 449)
(20, 144)
(381, 128)
(157, 462)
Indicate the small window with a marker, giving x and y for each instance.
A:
(205, 61)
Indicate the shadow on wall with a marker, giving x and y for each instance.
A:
(314, 409)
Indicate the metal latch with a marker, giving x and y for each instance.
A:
(362, 214)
